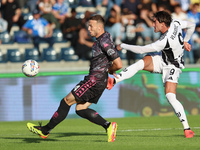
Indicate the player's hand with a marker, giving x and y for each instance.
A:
(110, 71)
(114, 74)
(187, 46)
(119, 47)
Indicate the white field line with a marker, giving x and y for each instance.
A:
(155, 129)
(128, 130)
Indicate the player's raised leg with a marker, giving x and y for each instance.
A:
(126, 73)
(144, 64)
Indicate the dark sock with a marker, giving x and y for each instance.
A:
(93, 116)
(58, 116)
(114, 82)
(187, 129)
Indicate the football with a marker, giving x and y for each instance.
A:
(30, 68)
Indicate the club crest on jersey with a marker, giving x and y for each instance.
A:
(105, 45)
(110, 52)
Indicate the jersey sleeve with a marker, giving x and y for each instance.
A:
(109, 48)
(154, 47)
(190, 28)
(159, 44)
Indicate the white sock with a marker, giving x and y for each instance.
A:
(178, 109)
(130, 71)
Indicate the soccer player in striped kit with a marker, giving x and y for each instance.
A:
(169, 63)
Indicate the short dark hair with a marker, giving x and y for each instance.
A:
(163, 16)
(98, 18)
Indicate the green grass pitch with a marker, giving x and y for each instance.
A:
(134, 133)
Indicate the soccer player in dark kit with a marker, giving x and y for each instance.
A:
(105, 59)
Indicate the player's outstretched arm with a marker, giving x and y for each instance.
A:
(190, 28)
(136, 49)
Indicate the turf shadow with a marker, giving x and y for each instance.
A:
(77, 134)
(82, 136)
(30, 140)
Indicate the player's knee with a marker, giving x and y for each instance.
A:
(69, 100)
(81, 113)
(78, 112)
(148, 63)
(85, 113)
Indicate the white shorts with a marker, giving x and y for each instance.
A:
(170, 73)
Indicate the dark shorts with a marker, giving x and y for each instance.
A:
(88, 90)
